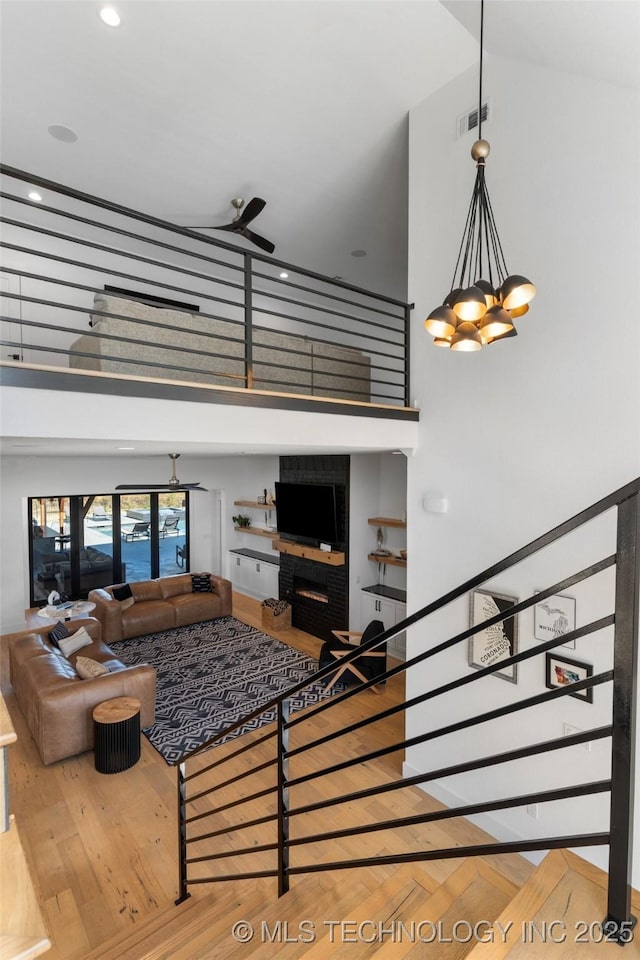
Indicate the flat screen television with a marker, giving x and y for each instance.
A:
(307, 511)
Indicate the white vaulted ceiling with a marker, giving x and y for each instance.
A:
(192, 102)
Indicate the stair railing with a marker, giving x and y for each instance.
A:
(289, 763)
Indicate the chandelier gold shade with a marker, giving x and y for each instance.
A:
(484, 298)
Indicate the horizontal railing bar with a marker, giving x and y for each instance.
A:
(155, 324)
(269, 818)
(119, 231)
(324, 326)
(269, 735)
(146, 363)
(298, 286)
(254, 875)
(585, 684)
(233, 803)
(36, 180)
(44, 278)
(427, 654)
(333, 343)
(451, 813)
(227, 783)
(98, 335)
(240, 852)
(316, 374)
(357, 394)
(363, 349)
(454, 853)
(104, 248)
(327, 310)
(546, 746)
(258, 362)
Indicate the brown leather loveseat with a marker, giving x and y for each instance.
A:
(57, 703)
(159, 605)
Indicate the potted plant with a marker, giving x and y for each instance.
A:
(241, 521)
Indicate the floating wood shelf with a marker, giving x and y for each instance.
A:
(253, 504)
(333, 558)
(386, 522)
(255, 531)
(390, 560)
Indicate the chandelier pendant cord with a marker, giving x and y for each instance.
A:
(483, 298)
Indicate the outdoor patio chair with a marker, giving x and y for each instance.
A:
(181, 555)
(139, 531)
(170, 526)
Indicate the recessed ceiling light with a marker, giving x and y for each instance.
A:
(59, 132)
(35, 196)
(126, 448)
(109, 16)
(283, 275)
(358, 253)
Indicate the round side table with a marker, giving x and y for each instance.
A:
(116, 730)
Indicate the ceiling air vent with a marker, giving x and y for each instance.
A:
(469, 120)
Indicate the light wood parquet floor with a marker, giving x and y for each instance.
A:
(103, 849)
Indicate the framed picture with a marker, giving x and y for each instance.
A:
(561, 672)
(497, 642)
(554, 617)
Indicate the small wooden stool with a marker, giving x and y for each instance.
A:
(116, 731)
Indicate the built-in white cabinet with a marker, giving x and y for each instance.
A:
(376, 606)
(253, 576)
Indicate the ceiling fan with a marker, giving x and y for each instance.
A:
(242, 218)
(172, 484)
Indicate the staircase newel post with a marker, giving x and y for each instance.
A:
(283, 797)
(182, 836)
(619, 920)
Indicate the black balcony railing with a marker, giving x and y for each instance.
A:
(211, 815)
(94, 286)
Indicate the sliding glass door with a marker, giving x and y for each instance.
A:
(79, 543)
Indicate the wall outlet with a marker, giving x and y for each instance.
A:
(533, 810)
(568, 730)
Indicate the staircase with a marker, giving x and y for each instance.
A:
(477, 912)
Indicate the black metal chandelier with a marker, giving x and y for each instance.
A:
(484, 298)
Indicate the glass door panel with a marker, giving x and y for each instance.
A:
(135, 536)
(172, 533)
(97, 568)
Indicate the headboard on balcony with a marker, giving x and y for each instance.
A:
(137, 339)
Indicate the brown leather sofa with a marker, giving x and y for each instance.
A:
(57, 704)
(159, 605)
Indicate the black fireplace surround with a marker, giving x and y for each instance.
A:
(318, 592)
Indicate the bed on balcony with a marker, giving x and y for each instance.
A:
(140, 340)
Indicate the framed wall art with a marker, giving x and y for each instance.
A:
(554, 617)
(562, 672)
(497, 642)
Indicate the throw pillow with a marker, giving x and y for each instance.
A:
(124, 596)
(201, 583)
(75, 642)
(58, 633)
(86, 668)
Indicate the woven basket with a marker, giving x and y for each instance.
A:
(281, 621)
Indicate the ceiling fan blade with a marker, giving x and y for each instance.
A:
(141, 486)
(233, 227)
(252, 209)
(259, 241)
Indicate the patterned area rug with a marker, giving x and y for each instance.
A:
(212, 674)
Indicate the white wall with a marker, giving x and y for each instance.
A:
(529, 431)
